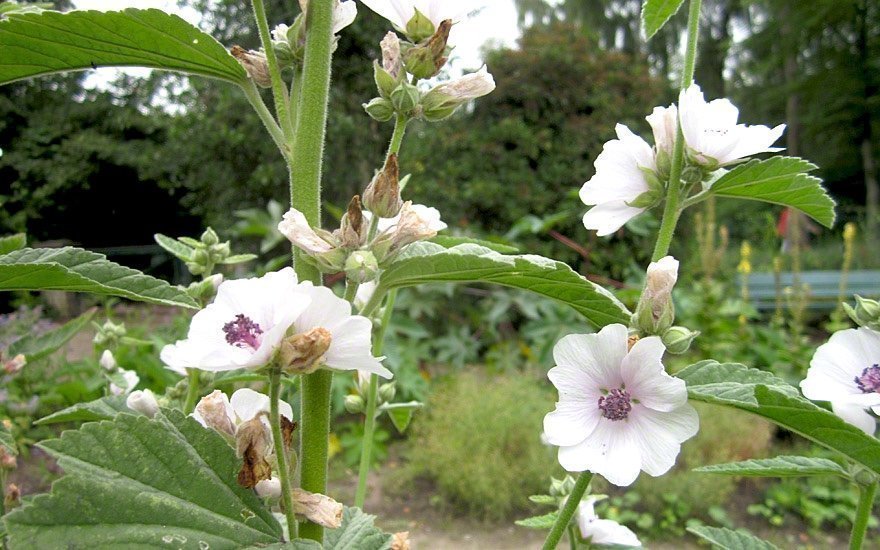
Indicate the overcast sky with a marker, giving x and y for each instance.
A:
(495, 23)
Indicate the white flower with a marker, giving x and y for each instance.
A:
(244, 325)
(619, 180)
(226, 415)
(443, 99)
(712, 134)
(618, 410)
(399, 12)
(427, 215)
(664, 124)
(130, 379)
(297, 229)
(846, 372)
(144, 402)
(107, 361)
(351, 335)
(602, 531)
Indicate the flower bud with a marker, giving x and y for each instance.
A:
(379, 109)
(678, 339)
(214, 411)
(354, 404)
(7, 460)
(205, 289)
(361, 266)
(252, 444)
(387, 392)
(12, 498)
(269, 488)
(410, 227)
(109, 334)
(352, 232)
(317, 508)
(445, 98)
(15, 364)
(303, 353)
(655, 312)
(107, 361)
(390, 73)
(865, 314)
(561, 487)
(209, 237)
(254, 64)
(382, 196)
(144, 402)
(419, 27)
(123, 381)
(405, 98)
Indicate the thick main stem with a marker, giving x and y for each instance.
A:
(305, 196)
(280, 451)
(672, 209)
(863, 515)
(565, 515)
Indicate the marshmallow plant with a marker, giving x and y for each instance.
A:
(212, 471)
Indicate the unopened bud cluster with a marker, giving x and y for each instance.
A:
(866, 313)
(109, 335)
(355, 403)
(208, 251)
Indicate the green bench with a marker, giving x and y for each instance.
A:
(823, 291)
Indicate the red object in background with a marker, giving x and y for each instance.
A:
(782, 225)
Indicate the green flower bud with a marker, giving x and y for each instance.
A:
(382, 196)
(209, 237)
(419, 27)
(379, 109)
(691, 175)
(561, 487)
(865, 314)
(109, 334)
(678, 339)
(655, 312)
(405, 98)
(387, 392)
(361, 266)
(354, 404)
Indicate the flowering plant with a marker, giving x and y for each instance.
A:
(208, 471)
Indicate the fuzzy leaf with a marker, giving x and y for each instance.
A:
(779, 180)
(357, 532)
(7, 442)
(10, 243)
(78, 270)
(139, 483)
(763, 394)
(37, 346)
(174, 247)
(430, 263)
(655, 14)
(539, 522)
(105, 408)
(448, 241)
(727, 539)
(34, 44)
(401, 413)
(239, 259)
(780, 466)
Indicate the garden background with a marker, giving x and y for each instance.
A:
(107, 167)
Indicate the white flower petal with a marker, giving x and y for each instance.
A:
(608, 217)
(659, 435)
(603, 531)
(597, 356)
(571, 422)
(647, 381)
(855, 415)
(344, 14)
(248, 403)
(610, 451)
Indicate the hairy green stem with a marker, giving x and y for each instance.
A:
(280, 451)
(565, 515)
(253, 96)
(192, 390)
(351, 289)
(279, 89)
(863, 515)
(397, 136)
(305, 196)
(372, 399)
(672, 210)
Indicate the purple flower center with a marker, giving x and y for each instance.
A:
(616, 405)
(243, 332)
(869, 381)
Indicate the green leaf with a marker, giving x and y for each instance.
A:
(780, 466)
(239, 259)
(357, 532)
(763, 394)
(7, 442)
(430, 263)
(779, 180)
(655, 14)
(448, 241)
(174, 247)
(35, 44)
(78, 270)
(105, 408)
(11, 243)
(544, 499)
(137, 482)
(727, 539)
(37, 346)
(539, 522)
(401, 413)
